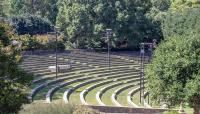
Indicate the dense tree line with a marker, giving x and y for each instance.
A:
(84, 22)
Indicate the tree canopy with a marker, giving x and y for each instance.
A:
(184, 22)
(13, 80)
(86, 22)
(174, 71)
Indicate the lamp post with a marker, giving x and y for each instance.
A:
(108, 36)
(142, 55)
(55, 32)
(56, 29)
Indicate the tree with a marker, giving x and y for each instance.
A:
(160, 8)
(45, 8)
(174, 74)
(5, 8)
(89, 19)
(13, 80)
(74, 20)
(31, 24)
(182, 22)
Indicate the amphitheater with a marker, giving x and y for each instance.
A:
(89, 81)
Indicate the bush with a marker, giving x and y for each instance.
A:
(40, 42)
(31, 24)
(56, 108)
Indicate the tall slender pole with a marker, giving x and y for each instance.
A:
(141, 49)
(143, 78)
(141, 71)
(108, 52)
(108, 34)
(56, 54)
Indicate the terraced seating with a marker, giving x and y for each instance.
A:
(89, 72)
(102, 76)
(99, 60)
(106, 88)
(113, 78)
(52, 90)
(84, 92)
(74, 76)
(69, 91)
(118, 91)
(129, 97)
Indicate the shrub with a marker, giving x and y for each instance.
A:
(40, 42)
(84, 110)
(55, 108)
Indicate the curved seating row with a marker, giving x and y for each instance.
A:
(52, 90)
(129, 97)
(89, 72)
(69, 91)
(84, 92)
(103, 90)
(41, 86)
(118, 91)
(35, 90)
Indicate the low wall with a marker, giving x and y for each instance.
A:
(109, 109)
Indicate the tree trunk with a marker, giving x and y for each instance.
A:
(196, 110)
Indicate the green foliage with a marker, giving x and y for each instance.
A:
(171, 112)
(56, 108)
(173, 75)
(41, 42)
(183, 22)
(5, 7)
(13, 80)
(160, 8)
(45, 8)
(85, 22)
(29, 24)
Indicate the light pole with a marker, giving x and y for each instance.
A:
(142, 55)
(108, 36)
(142, 51)
(56, 30)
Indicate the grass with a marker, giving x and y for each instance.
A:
(91, 96)
(75, 96)
(55, 108)
(122, 97)
(106, 97)
(59, 94)
(136, 99)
